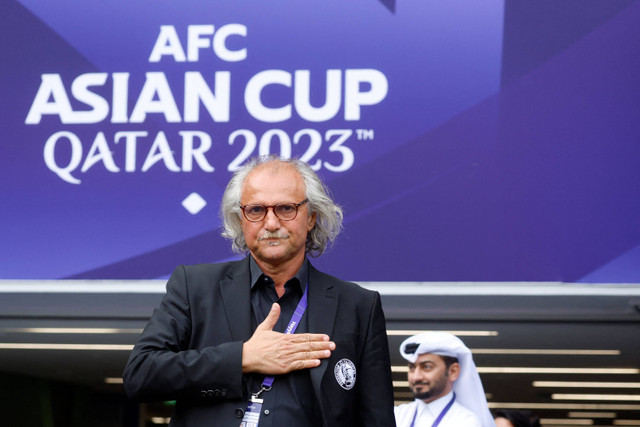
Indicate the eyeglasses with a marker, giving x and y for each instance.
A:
(283, 211)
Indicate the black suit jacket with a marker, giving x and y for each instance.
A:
(191, 349)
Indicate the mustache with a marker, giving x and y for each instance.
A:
(273, 235)
(420, 383)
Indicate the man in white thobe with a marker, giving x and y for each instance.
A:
(445, 383)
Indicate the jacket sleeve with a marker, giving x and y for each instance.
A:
(164, 366)
(375, 399)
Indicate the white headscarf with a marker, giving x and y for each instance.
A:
(468, 387)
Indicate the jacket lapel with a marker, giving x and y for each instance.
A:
(236, 298)
(323, 304)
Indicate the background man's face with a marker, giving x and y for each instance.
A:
(271, 240)
(429, 378)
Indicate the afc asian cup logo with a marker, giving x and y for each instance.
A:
(345, 373)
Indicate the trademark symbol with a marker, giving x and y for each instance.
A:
(364, 134)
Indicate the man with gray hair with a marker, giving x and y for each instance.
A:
(268, 340)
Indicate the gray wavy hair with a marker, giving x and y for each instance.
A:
(328, 214)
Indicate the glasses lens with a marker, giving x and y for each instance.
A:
(255, 212)
(286, 211)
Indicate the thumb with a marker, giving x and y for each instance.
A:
(270, 321)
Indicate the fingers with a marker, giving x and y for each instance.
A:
(312, 338)
(315, 355)
(274, 353)
(305, 360)
(305, 364)
(271, 319)
(301, 345)
(305, 351)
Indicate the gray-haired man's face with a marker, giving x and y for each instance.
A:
(274, 241)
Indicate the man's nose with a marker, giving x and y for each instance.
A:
(271, 221)
(416, 375)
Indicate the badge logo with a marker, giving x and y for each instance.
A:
(345, 372)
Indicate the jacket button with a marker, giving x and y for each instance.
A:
(223, 392)
(216, 394)
(203, 394)
(210, 394)
(239, 413)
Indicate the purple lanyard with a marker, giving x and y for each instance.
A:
(440, 417)
(291, 328)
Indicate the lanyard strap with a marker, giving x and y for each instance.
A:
(291, 328)
(440, 417)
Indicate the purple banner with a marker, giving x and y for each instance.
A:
(463, 144)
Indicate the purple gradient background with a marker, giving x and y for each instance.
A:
(507, 149)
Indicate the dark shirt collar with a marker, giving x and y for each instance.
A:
(302, 275)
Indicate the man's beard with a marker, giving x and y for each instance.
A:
(435, 389)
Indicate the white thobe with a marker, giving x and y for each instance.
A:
(427, 413)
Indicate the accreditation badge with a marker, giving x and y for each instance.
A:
(252, 414)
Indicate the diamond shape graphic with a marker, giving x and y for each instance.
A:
(194, 203)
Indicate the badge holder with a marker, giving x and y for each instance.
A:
(254, 408)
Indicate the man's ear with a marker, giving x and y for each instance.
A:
(311, 221)
(454, 371)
